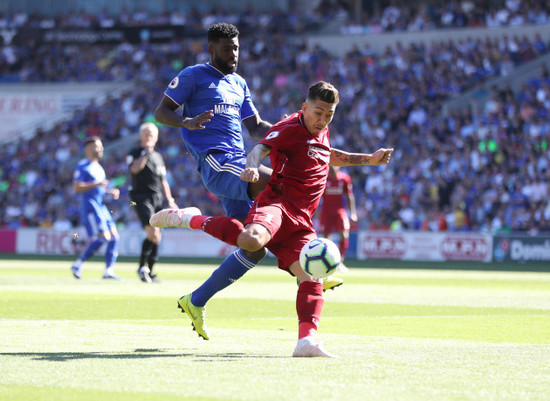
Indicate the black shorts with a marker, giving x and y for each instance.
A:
(146, 205)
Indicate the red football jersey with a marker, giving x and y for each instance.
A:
(300, 165)
(333, 198)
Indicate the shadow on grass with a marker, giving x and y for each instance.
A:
(137, 354)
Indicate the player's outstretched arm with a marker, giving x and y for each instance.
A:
(166, 114)
(253, 160)
(340, 158)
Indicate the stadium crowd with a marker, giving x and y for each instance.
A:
(480, 169)
(377, 16)
(408, 16)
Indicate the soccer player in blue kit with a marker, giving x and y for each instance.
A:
(215, 101)
(90, 181)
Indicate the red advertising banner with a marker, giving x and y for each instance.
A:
(8, 240)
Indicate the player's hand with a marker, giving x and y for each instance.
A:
(250, 174)
(381, 156)
(198, 121)
(172, 203)
(103, 183)
(115, 192)
(353, 217)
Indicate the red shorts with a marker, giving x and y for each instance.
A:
(288, 234)
(334, 222)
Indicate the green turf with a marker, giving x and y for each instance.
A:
(401, 334)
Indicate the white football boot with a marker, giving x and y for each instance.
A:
(174, 217)
(308, 347)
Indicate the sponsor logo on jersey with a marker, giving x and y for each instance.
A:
(226, 109)
(229, 105)
(318, 153)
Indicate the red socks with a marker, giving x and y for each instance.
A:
(196, 221)
(343, 246)
(223, 228)
(309, 305)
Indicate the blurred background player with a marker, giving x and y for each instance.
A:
(149, 185)
(89, 180)
(333, 217)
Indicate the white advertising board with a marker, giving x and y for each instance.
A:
(425, 246)
(175, 243)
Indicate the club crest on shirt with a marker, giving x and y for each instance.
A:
(174, 83)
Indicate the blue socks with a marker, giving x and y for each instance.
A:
(92, 248)
(231, 269)
(111, 253)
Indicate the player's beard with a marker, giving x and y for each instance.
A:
(222, 65)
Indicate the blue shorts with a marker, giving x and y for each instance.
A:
(98, 221)
(220, 174)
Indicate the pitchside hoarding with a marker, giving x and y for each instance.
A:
(425, 246)
(419, 246)
(521, 248)
(175, 243)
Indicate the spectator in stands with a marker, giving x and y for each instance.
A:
(62, 223)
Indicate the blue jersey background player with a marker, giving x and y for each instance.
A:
(215, 102)
(89, 180)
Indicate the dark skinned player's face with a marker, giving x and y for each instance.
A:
(224, 54)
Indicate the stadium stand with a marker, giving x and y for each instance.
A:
(483, 168)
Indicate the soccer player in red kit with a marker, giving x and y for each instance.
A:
(334, 218)
(281, 217)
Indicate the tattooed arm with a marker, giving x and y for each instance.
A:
(340, 158)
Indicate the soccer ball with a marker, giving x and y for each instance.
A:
(320, 257)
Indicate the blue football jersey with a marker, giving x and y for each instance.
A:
(87, 171)
(202, 87)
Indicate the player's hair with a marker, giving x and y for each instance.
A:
(91, 139)
(222, 30)
(324, 91)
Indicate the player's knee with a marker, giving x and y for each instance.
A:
(105, 235)
(155, 237)
(250, 241)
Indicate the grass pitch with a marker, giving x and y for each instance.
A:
(400, 334)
